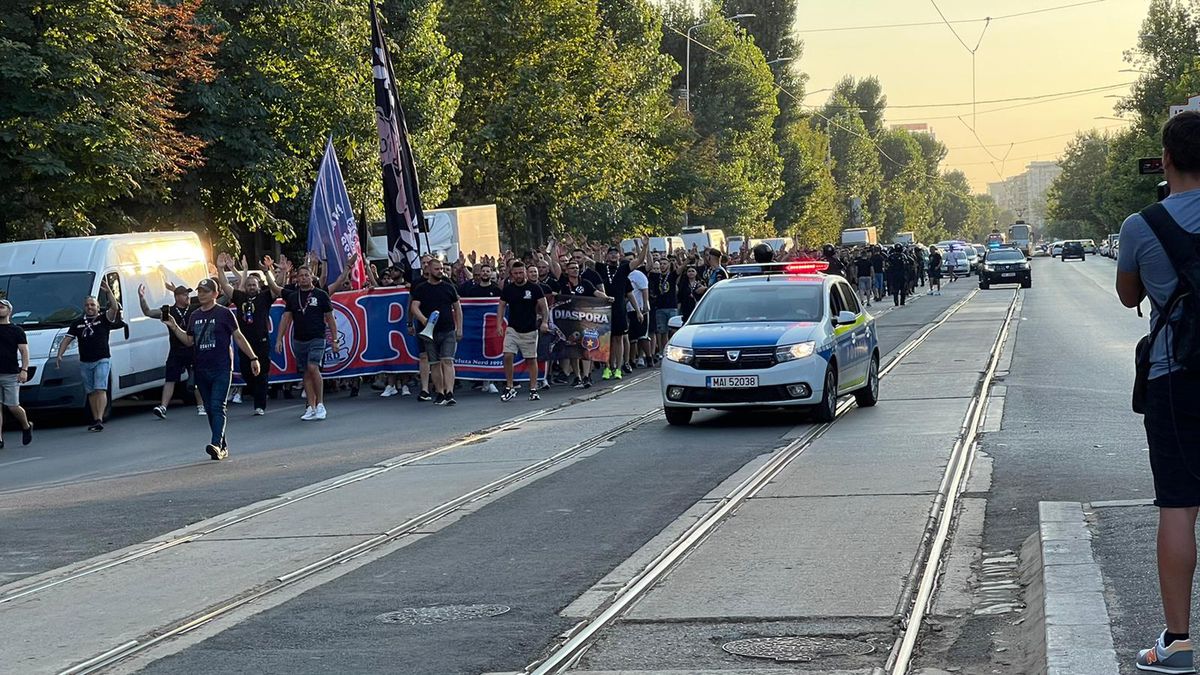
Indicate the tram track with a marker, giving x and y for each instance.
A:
(575, 642)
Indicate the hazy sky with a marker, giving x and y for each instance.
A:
(1060, 51)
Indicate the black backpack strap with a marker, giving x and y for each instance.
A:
(1175, 241)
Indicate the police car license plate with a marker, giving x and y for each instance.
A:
(732, 381)
(1009, 274)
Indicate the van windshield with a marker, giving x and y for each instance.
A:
(49, 299)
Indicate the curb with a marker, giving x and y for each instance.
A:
(1078, 634)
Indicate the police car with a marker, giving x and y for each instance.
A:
(773, 335)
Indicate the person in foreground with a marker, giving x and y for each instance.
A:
(1172, 419)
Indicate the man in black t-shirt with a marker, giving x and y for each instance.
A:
(91, 330)
(179, 357)
(439, 295)
(527, 316)
(252, 307)
(13, 372)
(664, 302)
(310, 311)
(614, 274)
(573, 283)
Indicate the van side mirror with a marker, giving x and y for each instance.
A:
(675, 322)
(845, 317)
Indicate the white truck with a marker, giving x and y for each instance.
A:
(462, 228)
(46, 280)
(859, 236)
(702, 238)
(905, 238)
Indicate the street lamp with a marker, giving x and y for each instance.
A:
(687, 66)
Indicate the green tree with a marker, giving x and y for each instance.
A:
(773, 28)
(1167, 45)
(863, 98)
(89, 128)
(952, 211)
(808, 208)
(1075, 198)
(292, 74)
(1121, 188)
(856, 168)
(429, 91)
(906, 203)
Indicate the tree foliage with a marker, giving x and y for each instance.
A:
(1075, 200)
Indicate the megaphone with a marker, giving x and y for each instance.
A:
(427, 332)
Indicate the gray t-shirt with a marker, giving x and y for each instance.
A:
(1142, 253)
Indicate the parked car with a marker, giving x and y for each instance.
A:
(1089, 246)
(1103, 249)
(956, 262)
(1056, 249)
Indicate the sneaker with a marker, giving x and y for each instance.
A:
(96, 426)
(545, 385)
(160, 412)
(577, 383)
(641, 362)
(308, 413)
(404, 390)
(200, 411)
(259, 412)
(1174, 659)
(491, 388)
(213, 451)
(628, 369)
(237, 398)
(587, 384)
(449, 400)
(319, 413)
(509, 394)
(388, 392)
(608, 374)
(441, 399)
(27, 434)
(424, 396)
(617, 374)
(560, 378)
(534, 396)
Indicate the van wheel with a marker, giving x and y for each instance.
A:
(827, 410)
(868, 396)
(678, 417)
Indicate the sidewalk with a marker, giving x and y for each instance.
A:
(826, 550)
(63, 625)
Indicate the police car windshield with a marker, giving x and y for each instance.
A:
(783, 301)
(1005, 255)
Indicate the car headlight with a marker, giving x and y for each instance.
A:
(678, 354)
(73, 348)
(801, 350)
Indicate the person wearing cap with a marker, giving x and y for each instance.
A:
(179, 356)
(92, 330)
(614, 274)
(13, 371)
(309, 310)
(210, 333)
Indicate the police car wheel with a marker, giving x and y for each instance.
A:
(678, 417)
(827, 410)
(868, 396)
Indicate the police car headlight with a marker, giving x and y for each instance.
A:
(73, 348)
(802, 350)
(678, 354)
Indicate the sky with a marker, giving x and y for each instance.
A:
(1059, 51)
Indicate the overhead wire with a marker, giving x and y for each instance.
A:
(915, 24)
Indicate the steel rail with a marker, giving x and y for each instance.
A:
(124, 651)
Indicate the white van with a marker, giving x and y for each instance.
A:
(657, 244)
(47, 280)
(702, 238)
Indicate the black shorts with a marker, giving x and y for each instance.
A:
(1174, 439)
(620, 322)
(637, 329)
(179, 362)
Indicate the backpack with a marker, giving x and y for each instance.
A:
(1183, 250)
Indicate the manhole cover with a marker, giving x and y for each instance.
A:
(428, 616)
(797, 648)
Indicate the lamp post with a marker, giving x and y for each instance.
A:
(687, 66)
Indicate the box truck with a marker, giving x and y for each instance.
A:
(461, 228)
(859, 236)
(702, 238)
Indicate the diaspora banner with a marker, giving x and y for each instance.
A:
(581, 326)
(373, 339)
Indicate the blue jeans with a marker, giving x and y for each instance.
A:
(213, 386)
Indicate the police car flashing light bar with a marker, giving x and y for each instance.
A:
(794, 267)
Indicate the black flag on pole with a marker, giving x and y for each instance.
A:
(401, 195)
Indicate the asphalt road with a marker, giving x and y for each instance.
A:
(1068, 433)
(73, 495)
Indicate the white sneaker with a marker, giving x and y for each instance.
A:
(641, 363)
(388, 391)
(491, 389)
(319, 413)
(404, 390)
(200, 411)
(259, 412)
(237, 398)
(308, 413)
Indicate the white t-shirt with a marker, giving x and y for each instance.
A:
(639, 284)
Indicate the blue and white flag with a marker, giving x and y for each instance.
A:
(332, 232)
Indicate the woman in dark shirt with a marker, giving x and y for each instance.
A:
(690, 290)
